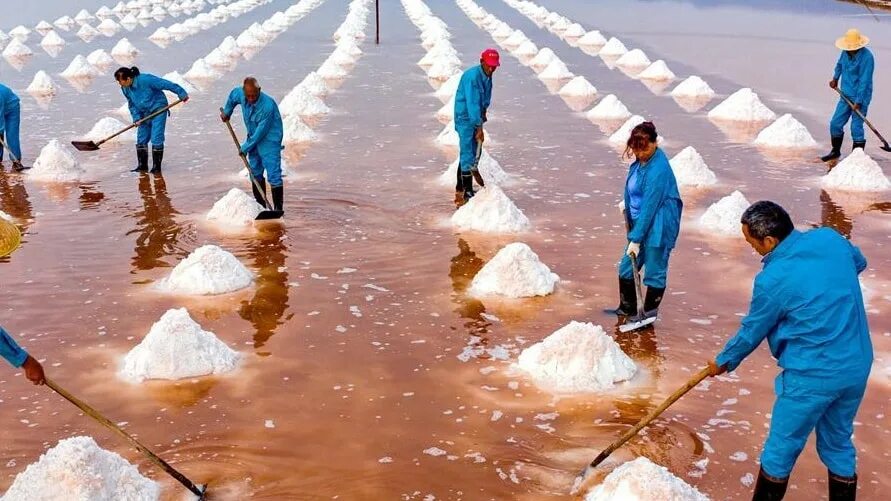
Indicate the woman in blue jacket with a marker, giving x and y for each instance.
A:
(653, 218)
(145, 95)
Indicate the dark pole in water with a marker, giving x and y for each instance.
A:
(377, 23)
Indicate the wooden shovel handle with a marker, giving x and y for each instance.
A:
(245, 160)
(140, 121)
(862, 116)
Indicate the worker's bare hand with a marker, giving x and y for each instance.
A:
(33, 370)
(186, 99)
(714, 369)
(223, 117)
(856, 106)
(480, 135)
(833, 84)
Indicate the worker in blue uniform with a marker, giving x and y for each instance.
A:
(853, 78)
(18, 357)
(472, 100)
(145, 95)
(653, 217)
(10, 119)
(807, 303)
(263, 145)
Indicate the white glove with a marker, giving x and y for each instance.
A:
(633, 248)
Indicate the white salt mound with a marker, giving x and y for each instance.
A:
(42, 85)
(578, 87)
(786, 132)
(543, 58)
(633, 59)
(856, 172)
(693, 86)
(621, 136)
(448, 136)
(161, 35)
(448, 89)
(52, 39)
(56, 163)
(643, 480)
(124, 49)
(592, 39)
(489, 168)
(574, 30)
(108, 27)
(490, 211)
(207, 270)
(78, 469)
(690, 169)
(614, 47)
(80, 68)
(296, 131)
(177, 347)
(100, 59)
(609, 108)
(108, 126)
(87, 32)
(744, 106)
(300, 101)
(526, 49)
(514, 272)
(16, 49)
(556, 70)
(314, 84)
(723, 216)
(330, 69)
(657, 71)
(578, 357)
(201, 71)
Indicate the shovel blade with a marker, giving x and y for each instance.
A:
(269, 214)
(886, 147)
(85, 145)
(636, 324)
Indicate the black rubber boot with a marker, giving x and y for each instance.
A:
(260, 196)
(157, 158)
(467, 182)
(18, 167)
(859, 144)
(653, 300)
(768, 488)
(627, 299)
(842, 488)
(836, 149)
(141, 159)
(278, 198)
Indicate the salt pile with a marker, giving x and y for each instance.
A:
(543, 58)
(502, 32)
(578, 357)
(77, 468)
(743, 105)
(207, 270)
(556, 70)
(124, 49)
(129, 21)
(108, 27)
(514, 41)
(42, 85)
(56, 163)
(296, 131)
(300, 101)
(592, 39)
(857, 172)
(104, 12)
(489, 168)
(614, 47)
(314, 84)
(723, 216)
(331, 70)
(633, 59)
(161, 35)
(200, 70)
(79, 68)
(447, 112)
(16, 49)
(574, 30)
(447, 90)
(87, 33)
(657, 71)
(177, 347)
(108, 126)
(20, 33)
(43, 27)
(247, 40)
(526, 49)
(490, 211)
(83, 16)
(691, 170)
(643, 480)
(786, 132)
(609, 108)
(578, 87)
(448, 136)
(100, 59)
(560, 25)
(442, 69)
(514, 272)
(64, 23)
(693, 87)
(621, 136)
(178, 79)
(52, 39)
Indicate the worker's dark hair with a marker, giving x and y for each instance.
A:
(641, 135)
(251, 81)
(124, 72)
(767, 219)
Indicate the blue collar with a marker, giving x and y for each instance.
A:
(782, 248)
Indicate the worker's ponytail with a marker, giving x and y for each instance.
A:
(126, 73)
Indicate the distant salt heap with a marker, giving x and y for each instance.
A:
(786, 132)
(514, 41)
(207, 270)
(643, 480)
(490, 211)
(314, 84)
(447, 112)
(20, 33)
(124, 49)
(633, 59)
(489, 168)
(614, 47)
(56, 163)
(723, 216)
(300, 101)
(296, 131)
(857, 172)
(201, 71)
(64, 23)
(556, 70)
(514, 272)
(657, 71)
(80, 68)
(578, 87)
(693, 87)
(177, 347)
(442, 69)
(577, 358)
(42, 85)
(16, 50)
(108, 27)
(448, 89)
(52, 39)
(592, 39)
(83, 16)
(526, 49)
(744, 106)
(161, 35)
(691, 170)
(77, 468)
(574, 30)
(609, 108)
(247, 40)
(100, 59)
(331, 70)
(108, 126)
(621, 136)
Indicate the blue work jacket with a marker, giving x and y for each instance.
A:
(262, 119)
(855, 74)
(146, 94)
(8, 100)
(473, 97)
(10, 350)
(659, 220)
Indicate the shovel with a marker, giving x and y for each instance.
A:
(475, 170)
(198, 490)
(93, 146)
(628, 435)
(266, 214)
(640, 320)
(885, 145)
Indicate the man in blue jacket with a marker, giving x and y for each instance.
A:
(854, 68)
(472, 100)
(807, 303)
(263, 145)
(10, 118)
(17, 357)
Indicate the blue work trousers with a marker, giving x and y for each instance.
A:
(653, 260)
(843, 112)
(152, 130)
(467, 144)
(12, 119)
(267, 157)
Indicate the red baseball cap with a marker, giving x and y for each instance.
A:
(491, 57)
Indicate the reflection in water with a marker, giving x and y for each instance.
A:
(90, 197)
(156, 227)
(833, 216)
(462, 270)
(270, 302)
(14, 200)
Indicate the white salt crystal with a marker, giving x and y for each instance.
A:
(296, 131)
(723, 217)
(657, 71)
(64, 23)
(20, 33)
(447, 90)
(16, 49)
(79, 68)
(448, 136)
(247, 40)
(124, 49)
(108, 126)
(207, 270)
(543, 58)
(743, 105)
(609, 108)
(525, 49)
(83, 16)
(442, 69)
(574, 30)
(856, 172)
(108, 27)
(236, 209)
(175, 77)
(315, 84)
(42, 85)
(56, 163)
(514, 272)
(578, 87)
(300, 101)
(693, 87)
(490, 211)
(515, 39)
(201, 71)
(691, 170)
(633, 59)
(643, 480)
(161, 35)
(87, 33)
(613, 47)
(100, 59)
(556, 70)
(331, 70)
(52, 39)
(785, 132)
(592, 39)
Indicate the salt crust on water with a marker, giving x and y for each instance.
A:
(177, 347)
(236, 208)
(635, 58)
(690, 169)
(514, 272)
(621, 136)
(556, 70)
(693, 86)
(52, 39)
(578, 87)
(489, 168)
(490, 211)
(124, 49)
(743, 105)
(723, 216)
(785, 132)
(42, 85)
(100, 59)
(108, 126)
(613, 47)
(207, 270)
(56, 163)
(609, 108)
(856, 172)
(16, 49)
(643, 480)
(79, 68)
(592, 39)
(657, 71)
(578, 357)
(77, 468)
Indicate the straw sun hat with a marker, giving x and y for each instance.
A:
(10, 238)
(853, 40)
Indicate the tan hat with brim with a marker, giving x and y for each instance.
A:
(10, 237)
(853, 40)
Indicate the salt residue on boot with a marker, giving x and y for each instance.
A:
(107, 126)
(514, 272)
(236, 208)
(77, 468)
(490, 211)
(177, 347)
(785, 132)
(609, 108)
(578, 87)
(691, 170)
(643, 480)
(56, 163)
(723, 217)
(743, 106)
(857, 172)
(693, 87)
(207, 270)
(579, 357)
